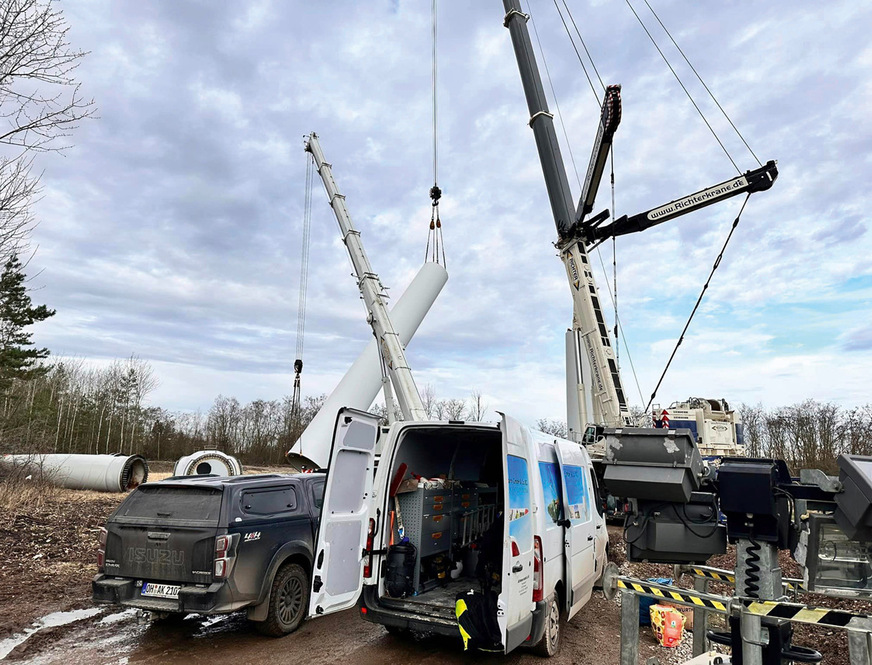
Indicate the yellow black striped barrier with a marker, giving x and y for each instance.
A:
(728, 578)
(674, 594)
(819, 616)
(712, 575)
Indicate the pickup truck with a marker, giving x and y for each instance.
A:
(213, 545)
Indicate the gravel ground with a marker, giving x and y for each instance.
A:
(47, 556)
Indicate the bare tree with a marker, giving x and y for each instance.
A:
(40, 105)
(428, 399)
(455, 409)
(477, 406)
(556, 428)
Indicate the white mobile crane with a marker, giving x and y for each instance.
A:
(595, 397)
(396, 371)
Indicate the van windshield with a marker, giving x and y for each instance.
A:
(172, 503)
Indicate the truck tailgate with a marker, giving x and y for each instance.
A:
(164, 534)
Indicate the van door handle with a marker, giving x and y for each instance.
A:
(518, 567)
(590, 537)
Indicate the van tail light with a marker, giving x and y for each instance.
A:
(101, 550)
(538, 571)
(515, 550)
(224, 556)
(370, 537)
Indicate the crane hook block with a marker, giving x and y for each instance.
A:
(435, 194)
(298, 365)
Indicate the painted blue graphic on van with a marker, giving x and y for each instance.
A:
(551, 486)
(576, 492)
(520, 523)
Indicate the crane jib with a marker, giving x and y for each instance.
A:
(609, 121)
(757, 180)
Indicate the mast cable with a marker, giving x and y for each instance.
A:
(584, 45)
(618, 325)
(681, 83)
(554, 95)
(577, 54)
(304, 287)
(435, 232)
(699, 299)
(711, 94)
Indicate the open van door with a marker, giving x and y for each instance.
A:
(578, 524)
(516, 599)
(337, 576)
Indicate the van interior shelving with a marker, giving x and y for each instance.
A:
(450, 506)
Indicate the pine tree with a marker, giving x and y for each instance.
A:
(17, 359)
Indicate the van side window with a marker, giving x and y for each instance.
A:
(597, 497)
(318, 494)
(258, 503)
(520, 519)
(550, 476)
(577, 496)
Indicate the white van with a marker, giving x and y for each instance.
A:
(500, 510)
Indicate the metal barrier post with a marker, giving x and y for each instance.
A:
(752, 633)
(700, 617)
(629, 628)
(860, 642)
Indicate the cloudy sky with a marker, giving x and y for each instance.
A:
(172, 230)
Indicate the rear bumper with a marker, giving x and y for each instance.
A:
(372, 610)
(215, 598)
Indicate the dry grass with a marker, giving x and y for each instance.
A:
(23, 489)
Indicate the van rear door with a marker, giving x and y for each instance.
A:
(578, 524)
(337, 578)
(516, 621)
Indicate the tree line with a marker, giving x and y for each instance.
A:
(71, 407)
(808, 435)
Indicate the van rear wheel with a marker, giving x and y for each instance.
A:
(549, 645)
(288, 601)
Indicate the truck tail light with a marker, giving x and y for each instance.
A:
(222, 543)
(101, 550)
(515, 550)
(220, 569)
(538, 571)
(223, 556)
(370, 537)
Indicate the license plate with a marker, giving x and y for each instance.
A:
(161, 590)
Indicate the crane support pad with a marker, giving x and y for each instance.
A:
(757, 180)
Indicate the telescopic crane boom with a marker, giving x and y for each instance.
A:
(374, 296)
(591, 336)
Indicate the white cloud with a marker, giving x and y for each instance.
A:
(173, 229)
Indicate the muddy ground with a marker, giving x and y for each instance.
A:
(47, 560)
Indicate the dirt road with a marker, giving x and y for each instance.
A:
(110, 636)
(47, 553)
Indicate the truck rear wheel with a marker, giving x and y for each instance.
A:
(288, 601)
(549, 645)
